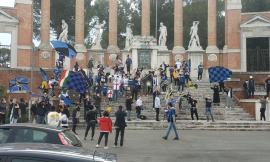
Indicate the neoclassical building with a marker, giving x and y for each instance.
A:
(242, 31)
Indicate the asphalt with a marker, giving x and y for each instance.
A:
(194, 146)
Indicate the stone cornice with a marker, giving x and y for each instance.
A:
(24, 1)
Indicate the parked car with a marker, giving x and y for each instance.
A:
(42, 152)
(35, 133)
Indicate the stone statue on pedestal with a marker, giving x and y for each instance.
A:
(98, 34)
(129, 36)
(163, 35)
(194, 42)
(64, 35)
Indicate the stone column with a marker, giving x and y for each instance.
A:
(113, 48)
(79, 32)
(233, 33)
(212, 27)
(145, 24)
(45, 25)
(178, 27)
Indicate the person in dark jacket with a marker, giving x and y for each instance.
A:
(216, 98)
(129, 102)
(120, 125)
(75, 117)
(2, 111)
(193, 109)
(41, 112)
(97, 103)
(251, 87)
(23, 106)
(91, 120)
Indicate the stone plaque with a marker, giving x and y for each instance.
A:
(144, 59)
(212, 57)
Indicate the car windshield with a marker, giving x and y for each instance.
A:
(72, 138)
(4, 134)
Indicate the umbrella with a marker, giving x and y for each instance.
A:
(64, 48)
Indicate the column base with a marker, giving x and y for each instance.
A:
(178, 50)
(113, 49)
(212, 49)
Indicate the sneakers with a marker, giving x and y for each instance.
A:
(165, 138)
(106, 147)
(97, 146)
(176, 138)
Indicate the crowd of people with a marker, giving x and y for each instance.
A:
(109, 85)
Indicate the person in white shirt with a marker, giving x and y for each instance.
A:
(139, 105)
(63, 120)
(116, 87)
(157, 106)
(178, 64)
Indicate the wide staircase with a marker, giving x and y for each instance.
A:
(225, 119)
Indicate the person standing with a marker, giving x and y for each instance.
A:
(200, 71)
(178, 64)
(15, 115)
(2, 111)
(97, 103)
(193, 109)
(23, 106)
(75, 117)
(63, 120)
(181, 81)
(135, 88)
(139, 105)
(208, 107)
(251, 87)
(120, 124)
(171, 122)
(91, 120)
(245, 86)
(41, 112)
(263, 102)
(128, 64)
(105, 127)
(229, 102)
(216, 98)
(157, 106)
(129, 102)
(267, 86)
(33, 109)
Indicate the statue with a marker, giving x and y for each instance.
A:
(163, 35)
(129, 36)
(98, 34)
(64, 35)
(194, 38)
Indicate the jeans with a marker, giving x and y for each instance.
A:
(128, 114)
(209, 113)
(199, 76)
(115, 95)
(171, 126)
(75, 121)
(122, 132)
(181, 86)
(157, 114)
(262, 110)
(13, 121)
(92, 125)
(138, 111)
(101, 136)
(40, 119)
(193, 111)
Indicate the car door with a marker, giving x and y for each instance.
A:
(3, 159)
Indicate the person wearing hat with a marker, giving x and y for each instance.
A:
(208, 107)
(251, 87)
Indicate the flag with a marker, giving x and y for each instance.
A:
(218, 74)
(73, 80)
(43, 74)
(64, 78)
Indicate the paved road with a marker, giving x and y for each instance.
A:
(194, 146)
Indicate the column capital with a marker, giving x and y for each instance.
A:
(212, 49)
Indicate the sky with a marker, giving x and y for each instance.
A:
(5, 38)
(7, 3)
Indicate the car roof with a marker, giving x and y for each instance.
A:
(53, 151)
(31, 125)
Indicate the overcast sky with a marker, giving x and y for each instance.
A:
(9, 3)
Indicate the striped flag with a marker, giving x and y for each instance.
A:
(64, 78)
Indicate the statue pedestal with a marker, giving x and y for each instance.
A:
(162, 48)
(97, 55)
(196, 57)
